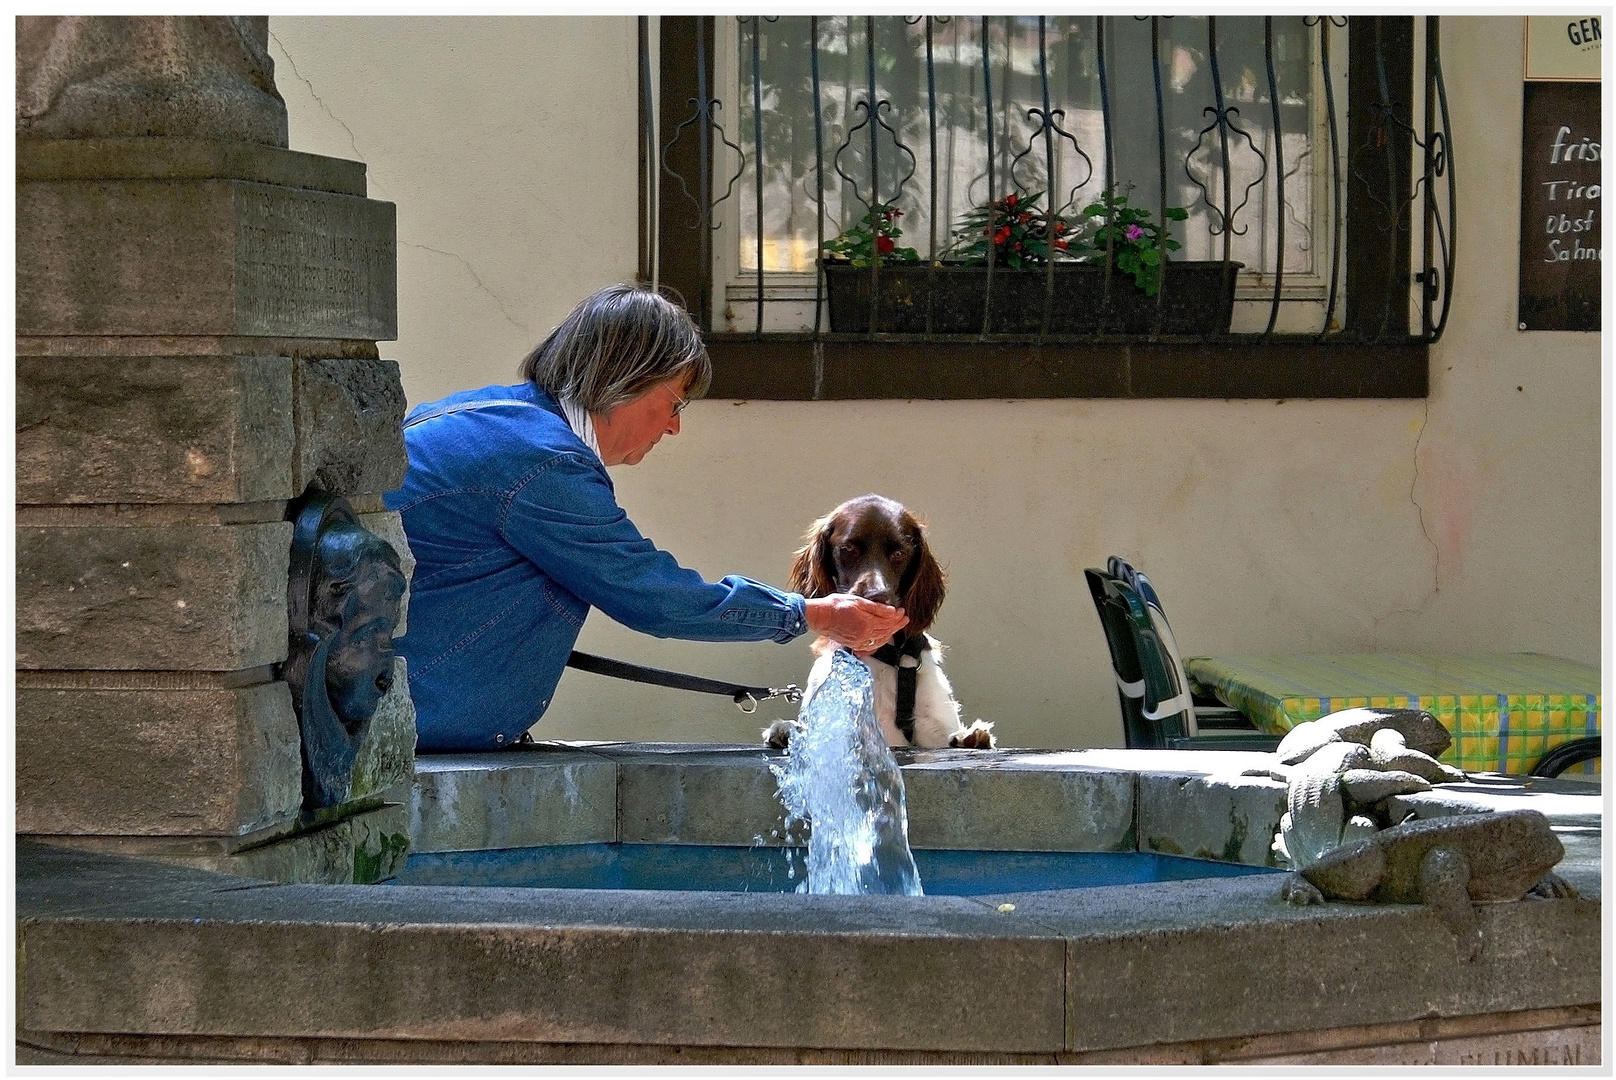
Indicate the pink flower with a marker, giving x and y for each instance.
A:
(1135, 232)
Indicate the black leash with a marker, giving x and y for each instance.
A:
(908, 675)
(746, 698)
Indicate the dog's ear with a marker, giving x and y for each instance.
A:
(811, 572)
(923, 595)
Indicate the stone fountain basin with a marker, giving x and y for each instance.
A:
(761, 868)
(136, 960)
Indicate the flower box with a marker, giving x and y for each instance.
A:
(1196, 298)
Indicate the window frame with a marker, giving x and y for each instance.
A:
(1305, 293)
(1373, 354)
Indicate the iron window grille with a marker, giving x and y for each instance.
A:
(1381, 192)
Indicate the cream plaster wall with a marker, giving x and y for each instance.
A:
(507, 144)
(1470, 520)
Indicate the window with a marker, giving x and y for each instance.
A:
(1299, 161)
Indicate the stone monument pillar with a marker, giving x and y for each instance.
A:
(197, 316)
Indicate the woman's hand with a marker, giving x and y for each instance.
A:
(862, 625)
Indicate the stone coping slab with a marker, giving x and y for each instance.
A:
(111, 945)
(158, 158)
(485, 802)
(1563, 1036)
(711, 793)
(1176, 802)
(1565, 802)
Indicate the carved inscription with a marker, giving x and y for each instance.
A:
(1551, 1054)
(199, 257)
(1553, 1046)
(314, 264)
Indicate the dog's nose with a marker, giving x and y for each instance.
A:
(876, 587)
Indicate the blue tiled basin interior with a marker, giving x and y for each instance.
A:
(772, 869)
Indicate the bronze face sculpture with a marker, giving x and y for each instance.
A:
(343, 600)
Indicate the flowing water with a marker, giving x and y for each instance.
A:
(839, 777)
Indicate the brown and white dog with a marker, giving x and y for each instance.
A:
(875, 548)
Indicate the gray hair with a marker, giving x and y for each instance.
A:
(615, 346)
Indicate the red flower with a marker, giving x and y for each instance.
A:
(884, 244)
(1061, 244)
(1010, 200)
(1024, 218)
(1002, 235)
(1060, 226)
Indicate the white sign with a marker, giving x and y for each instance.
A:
(1563, 47)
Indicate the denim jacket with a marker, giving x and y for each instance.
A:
(516, 534)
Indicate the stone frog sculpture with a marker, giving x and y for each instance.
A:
(1337, 831)
(1446, 863)
(1341, 770)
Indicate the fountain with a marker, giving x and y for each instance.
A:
(840, 778)
(177, 899)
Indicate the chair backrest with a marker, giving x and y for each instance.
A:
(1113, 608)
(1174, 698)
(1151, 684)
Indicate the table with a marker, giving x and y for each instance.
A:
(1505, 710)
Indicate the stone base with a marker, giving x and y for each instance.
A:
(1538, 1037)
(196, 321)
(124, 957)
(357, 850)
(189, 760)
(350, 418)
(185, 159)
(203, 257)
(191, 429)
(165, 598)
(154, 429)
(164, 755)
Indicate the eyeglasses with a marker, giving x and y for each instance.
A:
(679, 403)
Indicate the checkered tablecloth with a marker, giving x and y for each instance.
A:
(1505, 710)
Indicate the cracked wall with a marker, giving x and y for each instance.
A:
(1469, 521)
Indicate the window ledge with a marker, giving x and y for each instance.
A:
(842, 367)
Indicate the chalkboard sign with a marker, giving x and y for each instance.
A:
(1560, 226)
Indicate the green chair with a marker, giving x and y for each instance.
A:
(1158, 709)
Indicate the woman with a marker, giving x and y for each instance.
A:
(517, 534)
